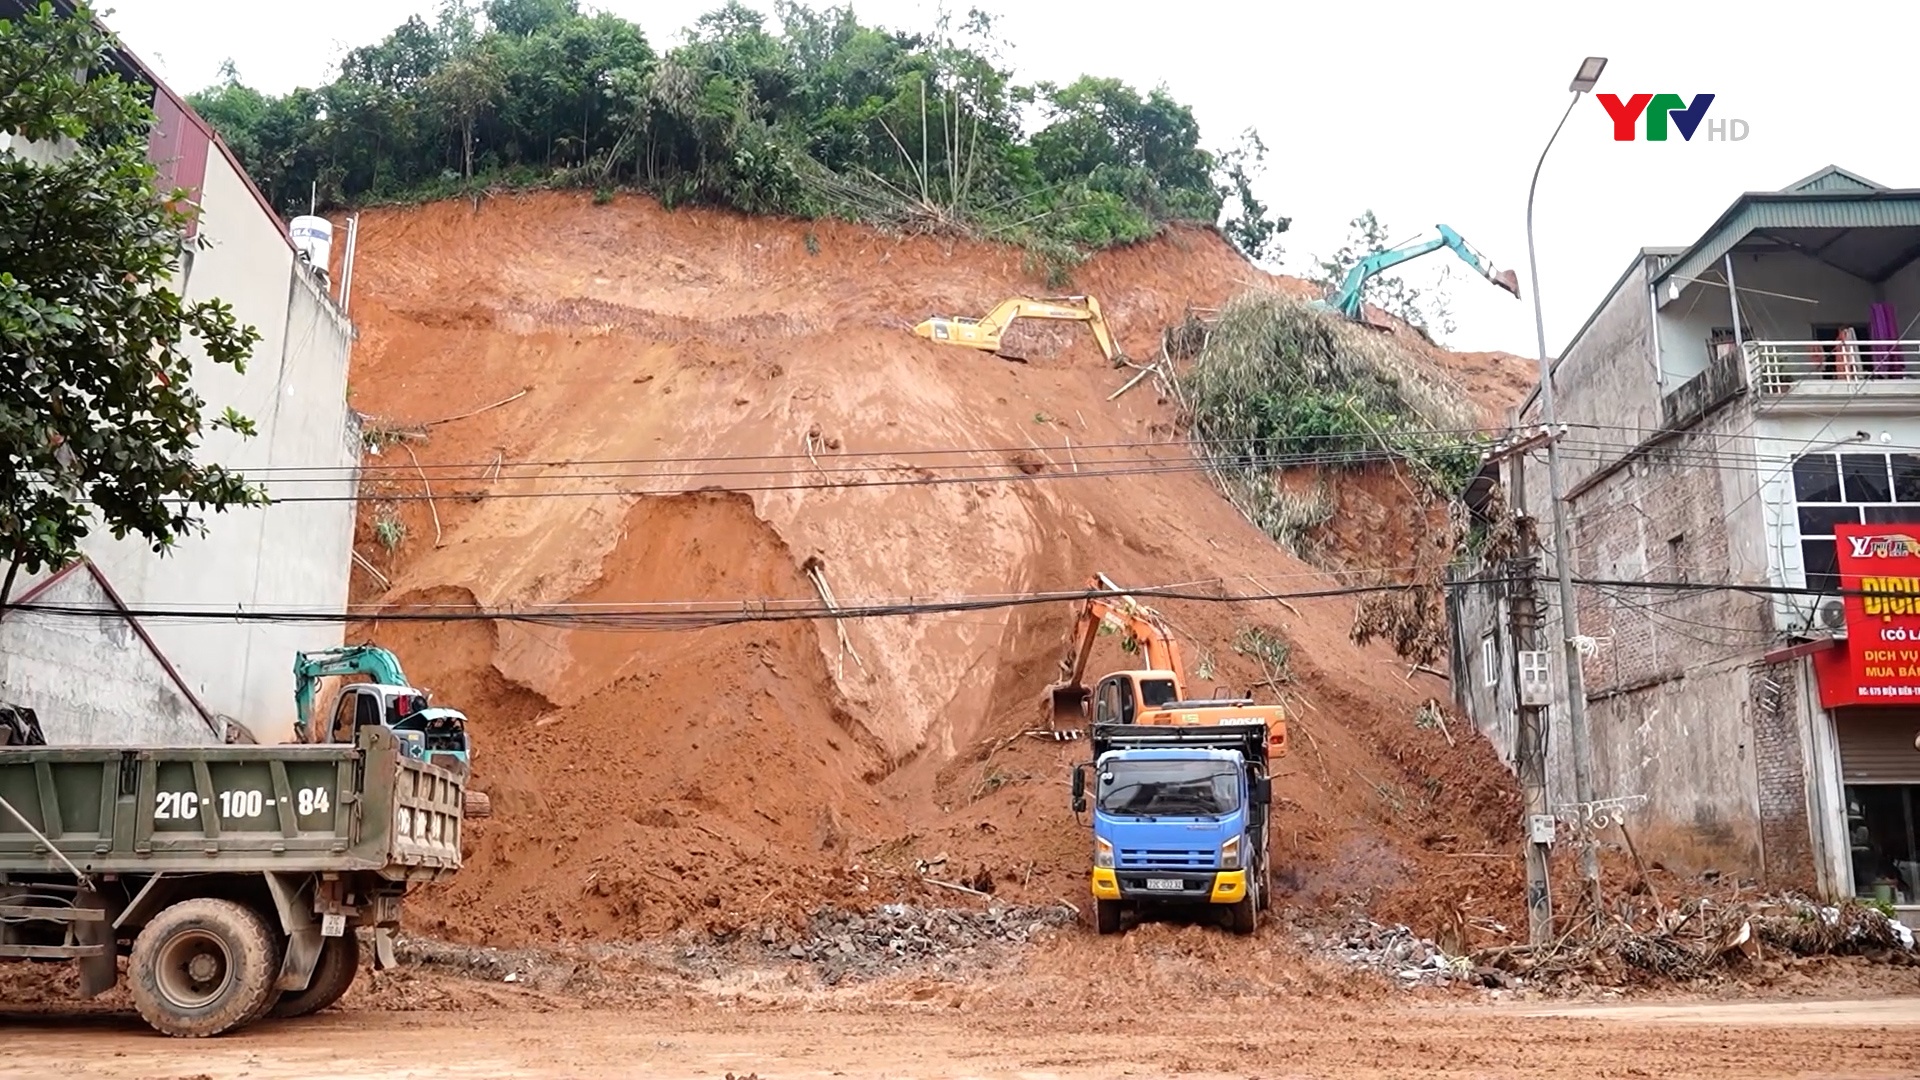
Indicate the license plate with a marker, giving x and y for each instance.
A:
(333, 925)
(1162, 884)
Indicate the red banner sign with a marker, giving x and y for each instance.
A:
(1883, 630)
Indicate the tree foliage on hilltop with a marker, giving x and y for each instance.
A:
(813, 114)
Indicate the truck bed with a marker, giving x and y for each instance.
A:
(230, 809)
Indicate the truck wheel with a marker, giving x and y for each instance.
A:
(1106, 916)
(1244, 915)
(476, 804)
(202, 967)
(339, 963)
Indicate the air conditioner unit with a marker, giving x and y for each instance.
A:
(1833, 614)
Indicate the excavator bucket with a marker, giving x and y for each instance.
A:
(1065, 706)
(1507, 280)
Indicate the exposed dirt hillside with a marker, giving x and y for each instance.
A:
(721, 777)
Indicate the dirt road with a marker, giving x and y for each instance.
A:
(1271, 1039)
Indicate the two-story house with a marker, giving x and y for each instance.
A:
(1726, 407)
(121, 678)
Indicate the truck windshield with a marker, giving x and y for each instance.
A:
(1169, 788)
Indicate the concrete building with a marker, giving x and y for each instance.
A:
(116, 678)
(1733, 408)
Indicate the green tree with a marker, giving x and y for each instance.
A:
(809, 113)
(524, 18)
(1250, 227)
(98, 416)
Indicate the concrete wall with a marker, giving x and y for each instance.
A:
(93, 681)
(285, 555)
(1476, 611)
(1606, 385)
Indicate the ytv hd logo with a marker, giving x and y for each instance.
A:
(1664, 110)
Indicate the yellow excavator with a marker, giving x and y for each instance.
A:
(984, 333)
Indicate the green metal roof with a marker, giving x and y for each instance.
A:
(1816, 216)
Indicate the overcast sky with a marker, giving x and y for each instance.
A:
(1426, 112)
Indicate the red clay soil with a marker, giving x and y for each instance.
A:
(721, 778)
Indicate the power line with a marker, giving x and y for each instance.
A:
(701, 614)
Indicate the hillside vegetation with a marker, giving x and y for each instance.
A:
(816, 115)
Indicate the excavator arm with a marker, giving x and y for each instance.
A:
(1142, 626)
(1347, 301)
(309, 668)
(985, 333)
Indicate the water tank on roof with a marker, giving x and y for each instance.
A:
(313, 240)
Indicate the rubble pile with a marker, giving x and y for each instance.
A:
(892, 936)
(1394, 951)
(1707, 938)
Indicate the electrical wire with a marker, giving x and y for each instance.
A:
(703, 614)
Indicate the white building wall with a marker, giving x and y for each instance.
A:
(92, 681)
(288, 555)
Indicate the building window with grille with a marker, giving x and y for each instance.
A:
(1851, 489)
(1489, 660)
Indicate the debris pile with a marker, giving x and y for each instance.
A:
(892, 936)
(1706, 938)
(1394, 951)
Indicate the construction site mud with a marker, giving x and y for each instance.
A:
(646, 781)
(611, 407)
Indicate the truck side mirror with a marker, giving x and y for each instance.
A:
(1261, 791)
(1079, 788)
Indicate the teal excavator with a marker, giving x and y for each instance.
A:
(428, 732)
(1347, 300)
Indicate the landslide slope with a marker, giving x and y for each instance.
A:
(718, 778)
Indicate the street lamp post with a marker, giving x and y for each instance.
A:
(1583, 81)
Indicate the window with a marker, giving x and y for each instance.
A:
(1489, 660)
(1834, 489)
(1880, 831)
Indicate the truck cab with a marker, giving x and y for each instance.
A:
(426, 733)
(1179, 816)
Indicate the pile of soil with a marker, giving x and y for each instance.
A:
(716, 779)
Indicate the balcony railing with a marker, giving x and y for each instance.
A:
(1785, 367)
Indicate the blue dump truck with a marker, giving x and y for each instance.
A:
(1179, 819)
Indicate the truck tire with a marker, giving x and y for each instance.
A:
(203, 967)
(475, 804)
(1106, 916)
(1244, 916)
(339, 963)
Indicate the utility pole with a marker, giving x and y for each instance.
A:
(1532, 693)
(1583, 82)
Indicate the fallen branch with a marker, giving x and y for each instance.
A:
(958, 888)
(481, 409)
(361, 561)
(817, 574)
(1135, 381)
(431, 508)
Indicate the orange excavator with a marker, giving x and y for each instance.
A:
(1180, 788)
(1153, 695)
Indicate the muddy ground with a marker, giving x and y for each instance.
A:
(998, 1037)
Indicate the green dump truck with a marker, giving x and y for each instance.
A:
(232, 878)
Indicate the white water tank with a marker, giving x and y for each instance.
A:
(313, 240)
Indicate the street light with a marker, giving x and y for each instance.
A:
(1583, 81)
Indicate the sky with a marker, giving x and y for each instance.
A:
(1426, 113)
